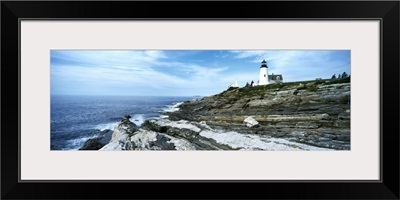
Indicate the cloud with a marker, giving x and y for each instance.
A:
(155, 54)
(297, 65)
(174, 73)
(221, 54)
(101, 71)
(102, 58)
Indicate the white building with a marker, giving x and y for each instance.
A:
(234, 85)
(266, 79)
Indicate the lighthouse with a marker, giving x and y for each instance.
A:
(263, 80)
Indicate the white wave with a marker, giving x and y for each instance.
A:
(106, 126)
(173, 108)
(138, 119)
(77, 143)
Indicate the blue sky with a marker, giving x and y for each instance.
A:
(182, 72)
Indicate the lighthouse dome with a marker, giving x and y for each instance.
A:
(264, 64)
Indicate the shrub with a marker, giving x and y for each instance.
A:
(342, 80)
(312, 88)
(345, 99)
(231, 88)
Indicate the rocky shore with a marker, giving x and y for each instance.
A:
(313, 115)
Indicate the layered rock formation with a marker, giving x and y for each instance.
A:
(312, 115)
(164, 134)
(315, 112)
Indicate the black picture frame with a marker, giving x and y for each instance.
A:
(386, 11)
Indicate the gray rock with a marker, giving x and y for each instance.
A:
(310, 84)
(308, 125)
(301, 86)
(185, 131)
(343, 137)
(98, 142)
(344, 116)
(251, 122)
(325, 116)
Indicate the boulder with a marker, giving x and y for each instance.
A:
(126, 127)
(98, 142)
(310, 84)
(325, 116)
(301, 86)
(149, 140)
(251, 122)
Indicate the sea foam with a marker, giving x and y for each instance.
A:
(173, 108)
(138, 119)
(77, 143)
(106, 126)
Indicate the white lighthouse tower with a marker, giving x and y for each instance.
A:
(263, 80)
(234, 85)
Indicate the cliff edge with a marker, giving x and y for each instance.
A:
(313, 112)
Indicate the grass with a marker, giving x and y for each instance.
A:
(341, 80)
(312, 88)
(260, 90)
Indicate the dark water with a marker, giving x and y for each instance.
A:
(75, 119)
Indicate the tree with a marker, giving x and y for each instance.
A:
(344, 75)
(339, 76)
(252, 82)
(334, 76)
(247, 84)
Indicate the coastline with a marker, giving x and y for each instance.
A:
(97, 142)
(77, 118)
(285, 117)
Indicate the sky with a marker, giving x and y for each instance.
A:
(182, 72)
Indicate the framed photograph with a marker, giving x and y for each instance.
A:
(221, 99)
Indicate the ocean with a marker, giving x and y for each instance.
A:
(75, 119)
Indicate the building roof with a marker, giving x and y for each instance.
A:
(264, 61)
(275, 77)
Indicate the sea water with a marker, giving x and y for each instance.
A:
(75, 119)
